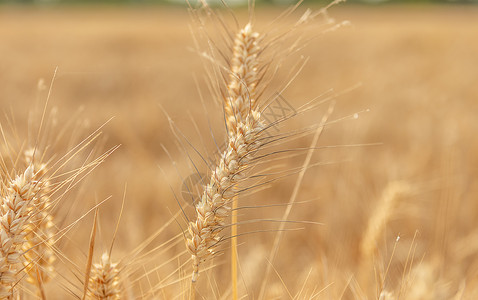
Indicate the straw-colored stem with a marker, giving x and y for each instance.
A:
(234, 248)
(192, 293)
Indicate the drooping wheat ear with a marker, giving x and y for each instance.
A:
(15, 216)
(105, 280)
(243, 77)
(39, 254)
(213, 208)
(380, 217)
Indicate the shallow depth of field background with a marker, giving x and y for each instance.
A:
(418, 69)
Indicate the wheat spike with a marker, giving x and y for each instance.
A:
(241, 99)
(39, 256)
(380, 217)
(243, 77)
(15, 215)
(386, 295)
(105, 280)
(244, 125)
(213, 207)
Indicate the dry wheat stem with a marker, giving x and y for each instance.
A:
(89, 260)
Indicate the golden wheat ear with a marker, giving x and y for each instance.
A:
(16, 211)
(380, 216)
(39, 254)
(243, 77)
(214, 206)
(247, 133)
(245, 128)
(104, 280)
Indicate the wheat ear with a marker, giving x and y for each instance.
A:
(241, 90)
(243, 77)
(386, 295)
(105, 280)
(15, 215)
(213, 208)
(380, 217)
(39, 255)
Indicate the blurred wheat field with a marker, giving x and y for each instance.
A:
(418, 74)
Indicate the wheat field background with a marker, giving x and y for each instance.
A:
(418, 72)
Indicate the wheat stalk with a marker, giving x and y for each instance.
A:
(241, 90)
(244, 125)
